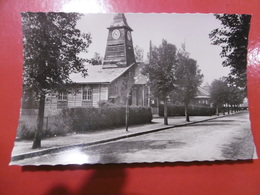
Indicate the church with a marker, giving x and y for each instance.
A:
(117, 80)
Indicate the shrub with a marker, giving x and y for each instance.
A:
(174, 110)
(28, 124)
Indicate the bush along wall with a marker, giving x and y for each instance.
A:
(89, 119)
(174, 110)
(83, 120)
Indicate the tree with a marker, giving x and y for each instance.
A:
(219, 92)
(161, 72)
(235, 96)
(51, 44)
(188, 79)
(139, 54)
(233, 38)
(97, 59)
(128, 84)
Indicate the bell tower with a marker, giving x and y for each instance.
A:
(119, 48)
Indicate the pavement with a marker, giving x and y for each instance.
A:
(23, 149)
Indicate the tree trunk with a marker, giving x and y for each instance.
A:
(228, 109)
(223, 107)
(217, 113)
(40, 118)
(165, 112)
(187, 113)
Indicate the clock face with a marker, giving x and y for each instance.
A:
(128, 35)
(115, 34)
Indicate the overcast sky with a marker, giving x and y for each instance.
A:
(193, 29)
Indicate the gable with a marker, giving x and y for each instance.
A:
(98, 75)
(203, 93)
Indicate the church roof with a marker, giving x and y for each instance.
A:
(98, 75)
(120, 21)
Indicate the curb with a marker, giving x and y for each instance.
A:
(62, 148)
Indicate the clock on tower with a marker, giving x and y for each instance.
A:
(119, 49)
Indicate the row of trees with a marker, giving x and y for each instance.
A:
(232, 37)
(222, 93)
(172, 73)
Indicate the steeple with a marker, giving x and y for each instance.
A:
(120, 21)
(119, 49)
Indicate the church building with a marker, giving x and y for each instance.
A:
(117, 80)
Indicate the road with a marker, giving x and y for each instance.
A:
(219, 139)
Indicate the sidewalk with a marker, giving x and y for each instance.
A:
(22, 149)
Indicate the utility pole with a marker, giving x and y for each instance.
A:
(127, 112)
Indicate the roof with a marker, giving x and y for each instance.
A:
(140, 79)
(120, 21)
(96, 74)
(203, 93)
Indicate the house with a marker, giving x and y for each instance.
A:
(117, 80)
(203, 96)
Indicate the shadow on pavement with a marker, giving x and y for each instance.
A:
(106, 179)
(110, 179)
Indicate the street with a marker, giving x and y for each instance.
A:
(226, 138)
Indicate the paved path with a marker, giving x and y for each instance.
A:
(23, 149)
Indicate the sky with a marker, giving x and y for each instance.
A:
(193, 29)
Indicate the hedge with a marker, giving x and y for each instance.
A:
(83, 120)
(52, 126)
(89, 119)
(174, 110)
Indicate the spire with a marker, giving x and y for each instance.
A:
(120, 21)
(119, 49)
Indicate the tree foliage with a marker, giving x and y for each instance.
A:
(161, 72)
(233, 38)
(222, 93)
(97, 59)
(189, 77)
(219, 92)
(51, 47)
(235, 96)
(139, 54)
(161, 69)
(51, 44)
